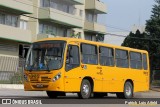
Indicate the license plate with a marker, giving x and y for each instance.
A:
(39, 86)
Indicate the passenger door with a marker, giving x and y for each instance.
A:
(72, 69)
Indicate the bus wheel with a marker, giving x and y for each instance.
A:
(52, 94)
(128, 91)
(85, 90)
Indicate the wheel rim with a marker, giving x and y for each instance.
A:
(85, 89)
(128, 91)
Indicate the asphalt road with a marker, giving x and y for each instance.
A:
(73, 99)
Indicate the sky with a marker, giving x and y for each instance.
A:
(123, 14)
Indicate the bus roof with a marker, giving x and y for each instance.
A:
(91, 42)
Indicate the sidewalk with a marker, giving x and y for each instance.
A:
(21, 86)
(11, 86)
(155, 88)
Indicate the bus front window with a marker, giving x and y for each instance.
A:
(45, 56)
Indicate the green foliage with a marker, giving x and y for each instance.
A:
(137, 41)
(153, 24)
(100, 38)
(150, 40)
(73, 35)
(17, 78)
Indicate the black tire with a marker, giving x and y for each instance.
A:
(85, 89)
(128, 91)
(99, 95)
(52, 94)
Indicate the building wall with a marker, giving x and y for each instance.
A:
(27, 15)
(42, 15)
(33, 20)
(9, 48)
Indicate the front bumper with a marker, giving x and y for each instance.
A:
(51, 86)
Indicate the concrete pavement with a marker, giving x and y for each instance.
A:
(155, 88)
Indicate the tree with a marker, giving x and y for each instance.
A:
(150, 40)
(137, 40)
(153, 31)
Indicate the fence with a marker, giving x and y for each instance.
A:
(11, 70)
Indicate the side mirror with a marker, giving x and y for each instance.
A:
(67, 61)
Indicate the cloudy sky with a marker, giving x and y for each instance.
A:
(123, 14)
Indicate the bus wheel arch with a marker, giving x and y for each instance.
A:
(91, 82)
(128, 90)
(86, 82)
(131, 81)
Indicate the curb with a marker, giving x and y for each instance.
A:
(158, 90)
(155, 88)
(11, 86)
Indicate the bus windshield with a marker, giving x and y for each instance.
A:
(45, 56)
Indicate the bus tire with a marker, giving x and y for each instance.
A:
(85, 89)
(52, 94)
(128, 91)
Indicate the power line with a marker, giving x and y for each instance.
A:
(110, 26)
(116, 35)
(149, 39)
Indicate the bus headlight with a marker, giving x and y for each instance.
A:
(25, 77)
(58, 76)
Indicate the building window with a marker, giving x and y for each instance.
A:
(23, 24)
(90, 37)
(62, 6)
(7, 19)
(81, 13)
(46, 3)
(46, 28)
(91, 17)
(53, 4)
(2, 18)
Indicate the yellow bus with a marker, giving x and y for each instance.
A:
(69, 65)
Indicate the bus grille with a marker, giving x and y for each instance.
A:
(42, 80)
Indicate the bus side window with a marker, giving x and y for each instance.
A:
(72, 57)
(145, 65)
(89, 54)
(135, 60)
(122, 58)
(106, 56)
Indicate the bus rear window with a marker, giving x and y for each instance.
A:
(135, 60)
(145, 65)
